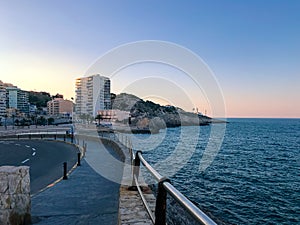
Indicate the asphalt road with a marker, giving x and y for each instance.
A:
(45, 159)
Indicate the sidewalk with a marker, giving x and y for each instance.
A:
(85, 198)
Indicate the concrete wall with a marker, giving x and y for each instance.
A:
(15, 202)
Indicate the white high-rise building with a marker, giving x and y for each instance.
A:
(92, 94)
(2, 99)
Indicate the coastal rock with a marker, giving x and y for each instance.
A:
(15, 202)
(149, 115)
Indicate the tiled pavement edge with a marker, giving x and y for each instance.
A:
(85, 198)
(131, 208)
(88, 198)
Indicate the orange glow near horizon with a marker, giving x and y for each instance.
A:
(34, 74)
(235, 107)
(262, 108)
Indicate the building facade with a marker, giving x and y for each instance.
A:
(92, 95)
(60, 107)
(114, 115)
(17, 99)
(2, 99)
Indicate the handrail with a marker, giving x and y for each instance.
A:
(164, 187)
(144, 201)
(188, 205)
(156, 175)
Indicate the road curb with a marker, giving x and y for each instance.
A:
(68, 173)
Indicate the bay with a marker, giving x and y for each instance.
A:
(254, 178)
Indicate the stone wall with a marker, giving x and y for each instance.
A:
(15, 202)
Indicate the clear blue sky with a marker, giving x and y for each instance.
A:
(253, 47)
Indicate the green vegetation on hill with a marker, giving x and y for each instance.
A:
(39, 99)
(147, 112)
(139, 107)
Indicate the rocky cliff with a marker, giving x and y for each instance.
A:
(149, 114)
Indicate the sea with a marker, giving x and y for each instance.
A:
(251, 172)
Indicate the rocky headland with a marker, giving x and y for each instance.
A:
(150, 115)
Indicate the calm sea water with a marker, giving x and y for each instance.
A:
(254, 179)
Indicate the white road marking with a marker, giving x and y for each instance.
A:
(26, 160)
(33, 154)
(27, 146)
(17, 144)
(33, 149)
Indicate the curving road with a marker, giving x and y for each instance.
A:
(45, 159)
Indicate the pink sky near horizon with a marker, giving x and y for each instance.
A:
(237, 106)
(252, 47)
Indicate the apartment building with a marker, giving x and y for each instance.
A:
(2, 99)
(92, 95)
(59, 107)
(17, 99)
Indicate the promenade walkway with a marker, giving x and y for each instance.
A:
(85, 198)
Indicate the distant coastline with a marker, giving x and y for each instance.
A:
(150, 117)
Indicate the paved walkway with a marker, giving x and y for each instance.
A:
(85, 198)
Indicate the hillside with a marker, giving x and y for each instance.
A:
(148, 113)
(39, 99)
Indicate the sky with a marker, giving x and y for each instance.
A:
(251, 47)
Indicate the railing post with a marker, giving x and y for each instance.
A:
(161, 205)
(78, 159)
(65, 177)
(136, 170)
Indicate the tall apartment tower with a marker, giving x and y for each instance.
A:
(92, 94)
(2, 99)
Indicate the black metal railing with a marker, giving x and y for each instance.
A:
(164, 188)
(25, 130)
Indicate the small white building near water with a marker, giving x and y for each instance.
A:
(113, 115)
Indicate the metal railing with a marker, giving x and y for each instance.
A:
(52, 136)
(164, 188)
(25, 130)
(38, 135)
